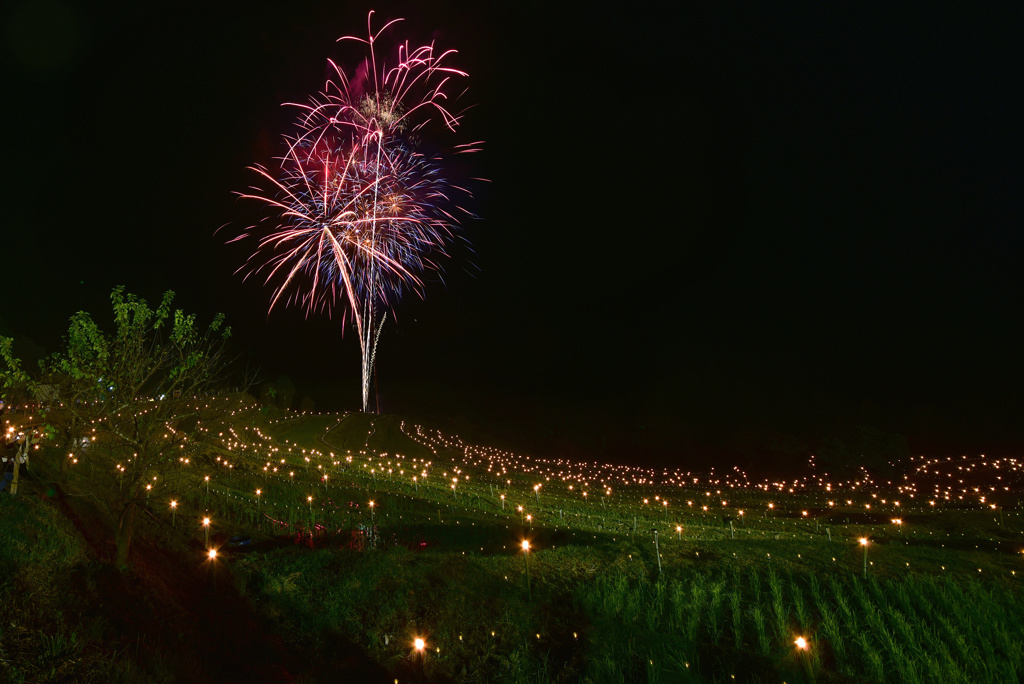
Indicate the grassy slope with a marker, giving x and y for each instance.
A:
(599, 610)
(41, 558)
(70, 616)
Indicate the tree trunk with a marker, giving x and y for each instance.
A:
(123, 534)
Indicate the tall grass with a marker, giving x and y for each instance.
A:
(906, 630)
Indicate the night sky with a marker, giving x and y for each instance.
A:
(708, 230)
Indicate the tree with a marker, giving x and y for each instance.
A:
(13, 379)
(268, 394)
(140, 394)
(861, 445)
(285, 392)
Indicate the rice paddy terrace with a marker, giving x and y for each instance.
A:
(512, 568)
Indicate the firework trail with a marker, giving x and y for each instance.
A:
(356, 213)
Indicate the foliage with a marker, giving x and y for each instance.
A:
(13, 379)
(859, 446)
(133, 397)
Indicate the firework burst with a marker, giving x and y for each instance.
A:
(356, 212)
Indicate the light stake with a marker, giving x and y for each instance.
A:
(526, 562)
(804, 650)
(657, 553)
(994, 507)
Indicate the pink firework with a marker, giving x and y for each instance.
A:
(356, 212)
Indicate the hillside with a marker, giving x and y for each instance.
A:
(341, 539)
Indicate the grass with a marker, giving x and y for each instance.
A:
(45, 635)
(604, 614)
(336, 581)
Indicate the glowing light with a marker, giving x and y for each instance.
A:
(358, 212)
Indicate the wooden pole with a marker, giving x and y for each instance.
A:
(17, 469)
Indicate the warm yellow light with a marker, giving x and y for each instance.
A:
(419, 644)
(206, 522)
(526, 545)
(212, 554)
(863, 541)
(174, 504)
(801, 643)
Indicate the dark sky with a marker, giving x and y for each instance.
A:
(708, 228)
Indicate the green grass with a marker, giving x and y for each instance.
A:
(603, 613)
(45, 635)
(939, 602)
